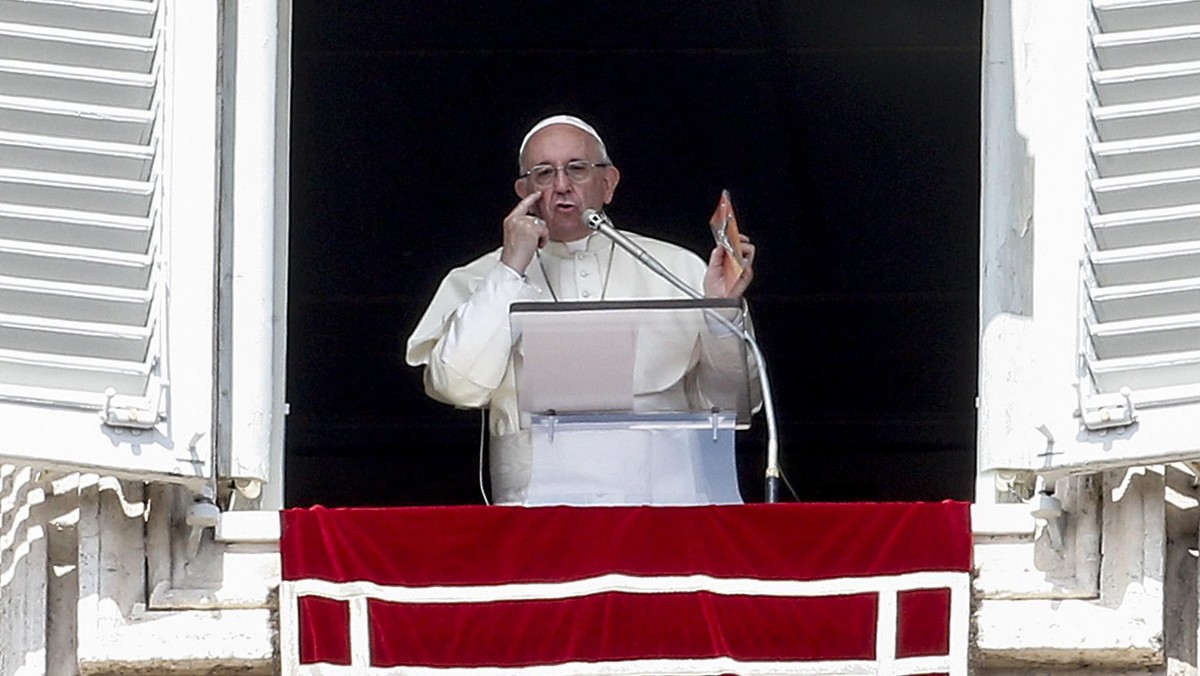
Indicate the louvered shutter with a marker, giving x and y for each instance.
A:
(1140, 295)
(107, 222)
(1090, 342)
(1143, 281)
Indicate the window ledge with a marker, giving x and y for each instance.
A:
(250, 527)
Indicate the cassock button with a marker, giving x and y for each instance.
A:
(583, 273)
(586, 293)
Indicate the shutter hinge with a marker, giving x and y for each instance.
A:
(1105, 411)
(140, 413)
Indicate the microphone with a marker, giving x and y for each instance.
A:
(598, 221)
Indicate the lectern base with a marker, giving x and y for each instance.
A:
(648, 459)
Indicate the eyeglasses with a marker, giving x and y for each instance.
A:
(579, 171)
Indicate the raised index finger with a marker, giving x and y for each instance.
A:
(523, 206)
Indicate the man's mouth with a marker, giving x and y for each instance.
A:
(564, 206)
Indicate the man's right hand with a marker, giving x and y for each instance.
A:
(524, 234)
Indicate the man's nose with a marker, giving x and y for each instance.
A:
(561, 182)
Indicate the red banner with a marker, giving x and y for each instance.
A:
(559, 590)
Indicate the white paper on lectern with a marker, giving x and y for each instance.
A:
(610, 351)
(580, 357)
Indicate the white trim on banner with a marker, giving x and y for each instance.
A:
(887, 587)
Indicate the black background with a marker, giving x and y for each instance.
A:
(847, 132)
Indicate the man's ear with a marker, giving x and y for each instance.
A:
(611, 177)
(522, 188)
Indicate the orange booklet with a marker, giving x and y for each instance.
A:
(725, 232)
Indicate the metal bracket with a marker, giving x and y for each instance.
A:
(202, 513)
(138, 413)
(1105, 411)
(1050, 510)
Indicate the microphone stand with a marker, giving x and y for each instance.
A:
(598, 221)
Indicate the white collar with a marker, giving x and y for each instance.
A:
(575, 246)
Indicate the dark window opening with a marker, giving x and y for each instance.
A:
(847, 133)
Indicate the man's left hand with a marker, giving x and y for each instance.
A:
(715, 285)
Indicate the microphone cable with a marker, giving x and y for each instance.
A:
(483, 431)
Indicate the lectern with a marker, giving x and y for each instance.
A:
(632, 402)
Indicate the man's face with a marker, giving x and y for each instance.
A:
(563, 202)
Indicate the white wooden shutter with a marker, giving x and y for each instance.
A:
(107, 221)
(1143, 280)
(1140, 295)
(1090, 343)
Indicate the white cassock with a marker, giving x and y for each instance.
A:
(465, 343)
